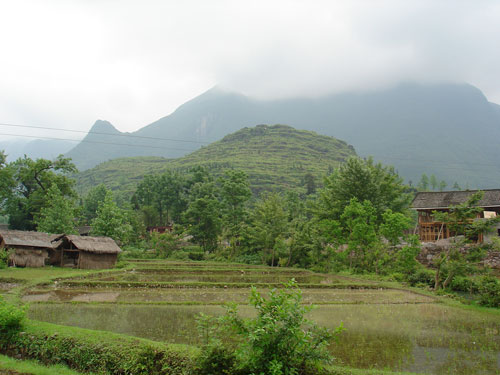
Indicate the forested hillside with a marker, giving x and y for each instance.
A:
(275, 157)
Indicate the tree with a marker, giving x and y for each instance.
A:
(31, 181)
(366, 181)
(279, 340)
(310, 184)
(434, 182)
(235, 193)
(442, 185)
(393, 226)
(456, 186)
(112, 221)
(59, 215)
(424, 182)
(358, 221)
(91, 202)
(269, 225)
(164, 193)
(203, 215)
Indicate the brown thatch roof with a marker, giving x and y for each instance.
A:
(445, 199)
(29, 239)
(100, 245)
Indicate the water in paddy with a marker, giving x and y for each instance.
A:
(425, 338)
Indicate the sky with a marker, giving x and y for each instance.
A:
(67, 63)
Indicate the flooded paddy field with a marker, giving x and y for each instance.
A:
(385, 328)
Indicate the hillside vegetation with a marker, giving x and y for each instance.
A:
(274, 157)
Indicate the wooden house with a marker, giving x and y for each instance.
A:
(29, 249)
(84, 252)
(425, 203)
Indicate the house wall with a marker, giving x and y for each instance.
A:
(96, 261)
(22, 257)
(54, 257)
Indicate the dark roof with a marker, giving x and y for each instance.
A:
(445, 199)
(24, 238)
(101, 245)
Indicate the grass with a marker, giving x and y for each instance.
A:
(10, 366)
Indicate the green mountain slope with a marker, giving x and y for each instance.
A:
(274, 157)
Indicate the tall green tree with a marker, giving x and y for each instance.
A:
(91, 202)
(59, 215)
(203, 215)
(269, 227)
(424, 183)
(366, 181)
(31, 181)
(235, 193)
(434, 182)
(112, 221)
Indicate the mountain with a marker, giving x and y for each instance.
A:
(35, 149)
(274, 157)
(449, 130)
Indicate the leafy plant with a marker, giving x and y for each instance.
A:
(279, 341)
(11, 319)
(489, 291)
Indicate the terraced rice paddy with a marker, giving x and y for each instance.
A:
(385, 328)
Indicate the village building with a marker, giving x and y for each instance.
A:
(28, 249)
(84, 252)
(431, 230)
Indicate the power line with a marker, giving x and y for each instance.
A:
(91, 132)
(103, 143)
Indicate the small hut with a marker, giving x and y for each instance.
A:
(29, 249)
(85, 252)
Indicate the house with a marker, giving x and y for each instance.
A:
(425, 203)
(29, 249)
(84, 252)
(160, 229)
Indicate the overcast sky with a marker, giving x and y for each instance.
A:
(67, 63)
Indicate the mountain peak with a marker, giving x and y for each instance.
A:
(103, 126)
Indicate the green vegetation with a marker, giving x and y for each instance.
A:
(279, 341)
(10, 366)
(274, 158)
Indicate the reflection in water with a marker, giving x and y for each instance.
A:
(420, 338)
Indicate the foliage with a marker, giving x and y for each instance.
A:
(393, 226)
(112, 221)
(96, 352)
(164, 243)
(11, 320)
(366, 181)
(280, 340)
(269, 225)
(4, 258)
(30, 181)
(58, 215)
(203, 215)
(91, 202)
(489, 291)
(164, 193)
(235, 193)
(11, 366)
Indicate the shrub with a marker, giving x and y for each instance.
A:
(464, 284)
(422, 277)
(489, 291)
(97, 352)
(279, 341)
(11, 319)
(4, 258)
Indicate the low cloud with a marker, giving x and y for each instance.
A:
(67, 63)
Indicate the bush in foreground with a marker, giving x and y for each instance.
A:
(279, 341)
(11, 319)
